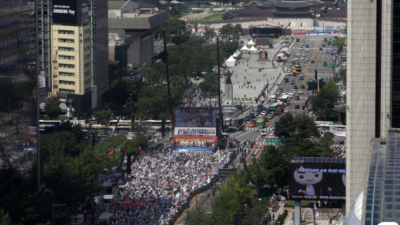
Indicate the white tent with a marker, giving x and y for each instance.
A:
(251, 42)
(236, 54)
(252, 49)
(230, 62)
(244, 48)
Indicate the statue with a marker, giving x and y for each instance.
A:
(263, 54)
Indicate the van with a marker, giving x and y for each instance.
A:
(307, 46)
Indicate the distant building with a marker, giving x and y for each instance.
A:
(195, 4)
(342, 13)
(138, 20)
(228, 16)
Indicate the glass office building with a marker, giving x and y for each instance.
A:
(18, 82)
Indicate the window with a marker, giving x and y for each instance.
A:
(46, 35)
(46, 27)
(39, 12)
(39, 27)
(67, 57)
(87, 73)
(67, 91)
(87, 81)
(87, 64)
(66, 32)
(40, 35)
(45, 20)
(66, 74)
(65, 49)
(66, 65)
(45, 12)
(46, 51)
(67, 82)
(46, 42)
(66, 40)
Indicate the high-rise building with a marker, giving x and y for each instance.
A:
(18, 90)
(373, 115)
(97, 12)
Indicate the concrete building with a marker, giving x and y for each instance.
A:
(71, 66)
(373, 112)
(97, 12)
(139, 21)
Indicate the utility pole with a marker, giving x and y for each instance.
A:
(219, 94)
(171, 118)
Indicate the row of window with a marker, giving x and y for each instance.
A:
(66, 74)
(65, 49)
(67, 82)
(67, 91)
(66, 65)
(87, 81)
(67, 57)
(66, 32)
(66, 40)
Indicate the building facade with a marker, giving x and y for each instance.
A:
(373, 97)
(97, 12)
(71, 59)
(18, 91)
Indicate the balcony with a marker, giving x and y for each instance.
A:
(55, 67)
(55, 84)
(54, 59)
(55, 75)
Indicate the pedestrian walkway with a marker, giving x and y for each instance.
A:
(319, 74)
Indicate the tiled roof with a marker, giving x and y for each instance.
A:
(293, 4)
(254, 10)
(342, 11)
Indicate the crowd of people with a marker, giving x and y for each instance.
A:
(338, 149)
(159, 186)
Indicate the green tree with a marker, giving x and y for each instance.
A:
(4, 218)
(323, 101)
(256, 174)
(256, 212)
(199, 218)
(179, 39)
(151, 76)
(340, 42)
(276, 166)
(305, 127)
(285, 126)
(52, 109)
(118, 92)
(343, 75)
(103, 116)
(209, 84)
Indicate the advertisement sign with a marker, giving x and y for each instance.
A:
(191, 149)
(318, 181)
(42, 79)
(194, 141)
(199, 117)
(194, 131)
(224, 173)
(74, 12)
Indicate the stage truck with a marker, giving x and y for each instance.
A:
(260, 123)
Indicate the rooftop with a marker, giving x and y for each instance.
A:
(147, 21)
(254, 10)
(293, 4)
(341, 11)
(116, 4)
(342, 5)
(262, 41)
(297, 12)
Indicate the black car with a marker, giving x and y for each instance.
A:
(258, 111)
(254, 121)
(286, 80)
(166, 129)
(280, 89)
(301, 77)
(323, 45)
(302, 86)
(252, 115)
(247, 118)
(295, 87)
(297, 106)
(320, 49)
(239, 128)
(312, 61)
(230, 129)
(325, 64)
(296, 97)
(292, 82)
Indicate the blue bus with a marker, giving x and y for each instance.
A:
(122, 130)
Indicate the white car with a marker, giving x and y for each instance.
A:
(298, 54)
(302, 58)
(300, 92)
(263, 133)
(307, 59)
(286, 110)
(306, 50)
(263, 113)
(295, 59)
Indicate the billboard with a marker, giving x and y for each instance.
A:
(73, 12)
(194, 141)
(196, 121)
(224, 173)
(317, 181)
(193, 131)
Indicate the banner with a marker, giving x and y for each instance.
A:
(191, 149)
(195, 131)
(194, 141)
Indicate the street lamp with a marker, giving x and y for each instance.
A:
(55, 205)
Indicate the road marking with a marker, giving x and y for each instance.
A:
(235, 133)
(184, 211)
(244, 133)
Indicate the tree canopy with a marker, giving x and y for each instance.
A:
(300, 126)
(52, 109)
(323, 101)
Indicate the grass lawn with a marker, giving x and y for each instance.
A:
(290, 203)
(213, 16)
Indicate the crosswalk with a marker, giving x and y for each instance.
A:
(319, 74)
(306, 48)
(259, 129)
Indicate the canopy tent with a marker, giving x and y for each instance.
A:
(252, 49)
(230, 62)
(236, 54)
(251, 42)
(244, 48)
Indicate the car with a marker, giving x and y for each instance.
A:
(300, 92)
(288, 73)
(307, 59)
(284, 93)
(239, 128)
(263, 133)
(296, 97)
(247, 118)
(302, 58)
(252, 115)
(286, 110)
(286, 80)
(298, 54)
(301, 48)
(302, 86)
(263, 113)
(230, 129)
(280, 89)
(325, 64)
(297, 106)
(320, 49)
(312, 61)
(270, 116)
(166, 129)
(295, 87)
(323, 45)
(292, 82)
(301, 77)
(307, 46)
(254, 121)
(252, 124)
(258, 111)
(197, 78)
(306, 50)
(209, 213)
(292, 91)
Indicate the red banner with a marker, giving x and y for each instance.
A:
(195, 141)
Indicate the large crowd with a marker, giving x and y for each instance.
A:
(159, 186)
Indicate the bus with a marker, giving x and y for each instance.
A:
(284, 98)
(123, 130)
(43, 124)
(260, 123)
(278, 109)
(154, 124)
(273, 106)
(296, 69)
(100, 130)
(332, 51)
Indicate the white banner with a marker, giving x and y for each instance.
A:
(340, 132)
(195, 131)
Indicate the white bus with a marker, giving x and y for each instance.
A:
(43, 124)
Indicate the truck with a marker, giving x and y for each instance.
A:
(333, 51)
(260, 123)
(284, 98)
